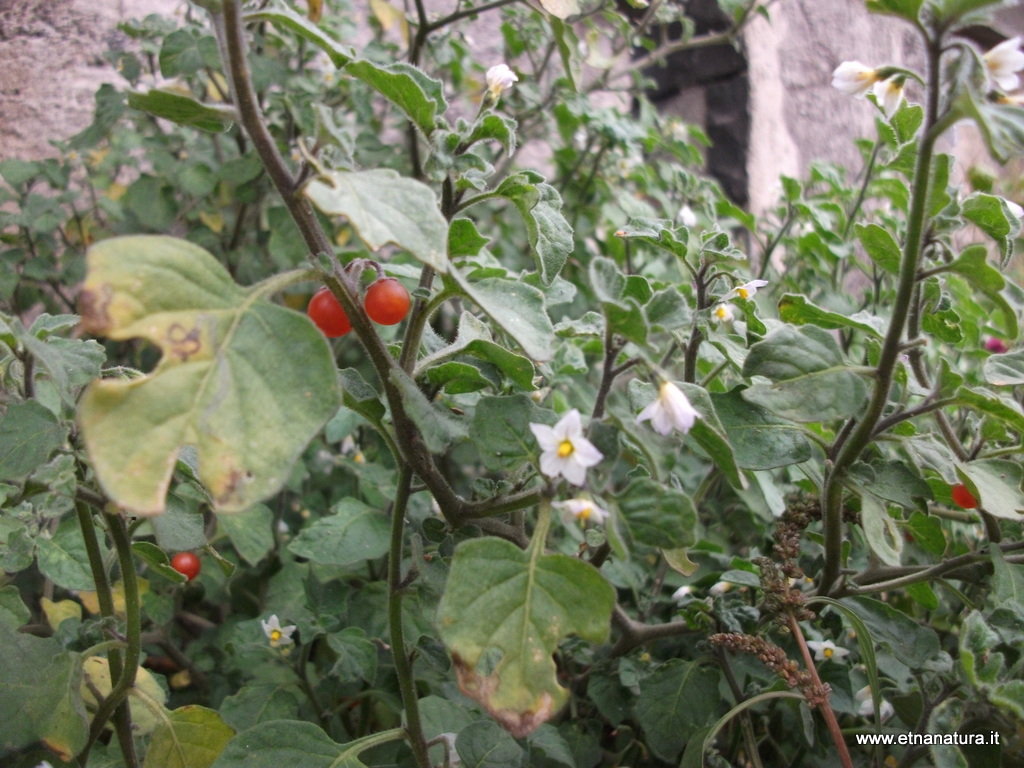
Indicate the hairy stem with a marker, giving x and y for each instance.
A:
(403, 664)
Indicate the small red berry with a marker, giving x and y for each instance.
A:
(187, 564)
(997, 346)
(963, 498)
(387, 301)
(326, 312)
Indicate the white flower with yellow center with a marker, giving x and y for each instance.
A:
(889, 94)
(854, 78)
(670, 410)
(499, 79)
(565, 451)
(1004, 62)
(723, 313)
(826, 649)
(747, 290)
(584, 510)
(277, 634)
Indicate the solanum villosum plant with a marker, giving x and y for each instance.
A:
(389, 450)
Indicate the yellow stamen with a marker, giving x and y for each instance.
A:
(743, 293)
(722, 313)
(275, 636)
(827, 652)
(584, 513)
(565, 449)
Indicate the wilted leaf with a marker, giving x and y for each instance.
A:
(246, 382)
(502, 614)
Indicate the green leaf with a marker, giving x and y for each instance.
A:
(158, 561)
(973, 265)
(622, 311)
(246, 382)
(251, 532)
(883, 535)
(438, 427)
(189, 737)
(908, 641)
(759, 440)
(357, 655)
(29, 433)
(502, 614)
(1001, 125)
(980, 664)
(500, 430)
(994, 217)
(259, 703)
(278, 743)
(927, 531)
(464, 239)
(13, 611)
(474, 338)
(1005, 370)
(799, 310)
(63, 559)
(657, 516)
(361, 397)
(492, 127)
(948, 11)
(53, 712)
(485, 744)
(280, 14)
(998, 484)
(809, 380)
(518, 309)
(181, 526)
(183, 110)
(994, 404)
(384, 207)
(69, 363)
(354, 533)
(540, 205)
(881, 247)
(674, 703)
(893, 481)
(408, 88)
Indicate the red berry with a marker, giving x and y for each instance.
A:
(325, 310)
(963, 498)
(387, 302)
(187, 564)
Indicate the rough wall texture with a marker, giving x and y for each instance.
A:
(52, 54)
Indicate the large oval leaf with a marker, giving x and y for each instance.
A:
(246, 382)
(504, 611)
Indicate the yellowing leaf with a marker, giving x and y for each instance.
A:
(245, 382)
(316, 9)
(57, 612)
(215, 221)
(96, 675)
(92, 603)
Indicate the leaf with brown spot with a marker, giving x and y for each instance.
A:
(246, 382)
(502, 615)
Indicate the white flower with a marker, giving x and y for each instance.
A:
(854, 78)
(720, 588)
(824, 650)
(499, 79)
(565, 451)
(723, 314)
(670, 410)
(1004, 62)
(680, 595)
(448, 739)
(747, 290)
(890, 95)
(277, 634)
(1015, 209)
(867, 708)
(686, 216)
(583, 510)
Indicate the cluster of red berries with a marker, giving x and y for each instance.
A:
(387, 303)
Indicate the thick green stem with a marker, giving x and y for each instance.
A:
(862, 434)
(403, 665)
